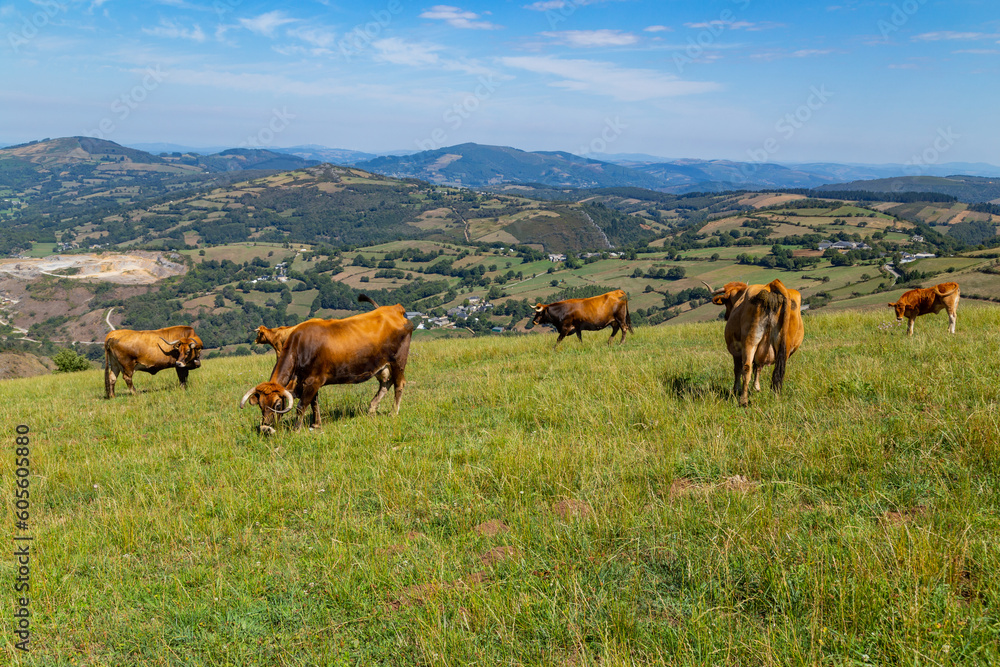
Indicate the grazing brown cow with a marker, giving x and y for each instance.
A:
(574, 316)
(928, 300)
(128, 351)
(763, 327)
(275, 337)
(348, 351)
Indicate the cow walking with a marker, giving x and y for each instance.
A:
(348, 351)
(926, 301)
(574, 316)
(763, 327)
(127, 351)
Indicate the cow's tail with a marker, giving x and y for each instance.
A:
(779, 337)
(107, 369)
(628, 319)
(364, 298)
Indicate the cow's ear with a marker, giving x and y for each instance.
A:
(254, 399)
(892, 305)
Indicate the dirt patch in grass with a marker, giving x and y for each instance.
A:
(499, 554)
(896, 517)
(491, 528)
(572, 509)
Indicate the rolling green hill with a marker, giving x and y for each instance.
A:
(584, 506)
(965, 188)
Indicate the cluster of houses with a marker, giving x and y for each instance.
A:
(556, 258)
(843, 245)
(280, 275)
(476, 305)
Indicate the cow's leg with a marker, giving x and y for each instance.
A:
(559, 340)
(614, 332)
(309, 396)
(623, 325)
(398, 384)
(579, 334)
(749, 355)
(127, 371)
(182, 375)
(952, 317)
(111, 371)
(756, 377)
(737, 372)
(317, 420)
(384, 377)
(909, 328)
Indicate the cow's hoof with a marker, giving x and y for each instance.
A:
(267, 430)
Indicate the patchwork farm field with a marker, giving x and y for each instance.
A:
(588, 505)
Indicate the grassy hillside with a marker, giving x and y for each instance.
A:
(583, 506)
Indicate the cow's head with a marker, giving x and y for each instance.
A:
(262, 332)
(900, 309)
(541, 314)
(274, 401)
(727, 295)
(185, 352)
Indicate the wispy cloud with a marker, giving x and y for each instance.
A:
(400, 52)
(266, 24)
(801, 53)
(318, 37)
(603, 78)
(735, 25)
(553, 5)
(658, 28)
(952, 35)
(979, 52)
(457, 18)
(592, 38)
(171, 30)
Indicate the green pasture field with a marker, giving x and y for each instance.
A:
(41, 250)
(586, 505)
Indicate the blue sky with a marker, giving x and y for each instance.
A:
(785, 81)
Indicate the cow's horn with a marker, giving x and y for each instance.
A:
(539, 308)
(288, 399)
(171, 343)
(713, 291)
(246, 397)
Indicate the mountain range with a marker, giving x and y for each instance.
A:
(477, 166)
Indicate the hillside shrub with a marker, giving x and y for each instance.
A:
(68, 361)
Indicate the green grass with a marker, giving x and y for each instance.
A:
(854, 515)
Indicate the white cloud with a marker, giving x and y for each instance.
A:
(592, 38)
(457, 18)
(400, 52)
(266, 24)
(980, 52)
(602, 78)
(551, 5)
(720, 24)
(953, 35)
(318, 37)
(658, 28)
(171, 30)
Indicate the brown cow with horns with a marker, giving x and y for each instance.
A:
(127, 351)
(574, 316)
(348, 351)
(763, 327)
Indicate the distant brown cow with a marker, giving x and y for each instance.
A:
(128, 351)
(275, 337)
(928, 300)
(574, 316)
(763, 327)
(348, 351)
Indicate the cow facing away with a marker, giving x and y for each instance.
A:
(763, 327)
(926, 301)
(128, 351)
(574, 316)
(348, 351)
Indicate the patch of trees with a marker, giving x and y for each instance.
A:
(620, 228)
(974, 232)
